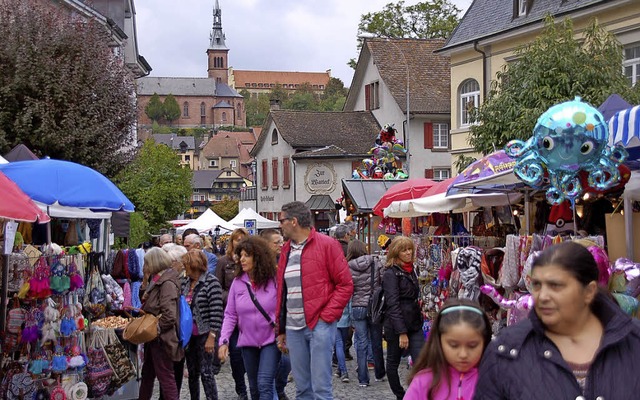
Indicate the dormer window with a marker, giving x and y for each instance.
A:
(522, 7)
(274, 137)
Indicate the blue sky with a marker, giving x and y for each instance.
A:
(274, 35)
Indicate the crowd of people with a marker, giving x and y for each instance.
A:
(276, 308)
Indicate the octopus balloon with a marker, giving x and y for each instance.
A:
(569, 137)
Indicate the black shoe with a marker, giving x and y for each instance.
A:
(282, 396)
(348, 356)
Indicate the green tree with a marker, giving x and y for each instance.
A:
(171, 109)
(555, 67)
(257, 108)
(156, 184)
(63, 93)
(463, 162)
(335, 87)
(154, 109)
(424, 20)
(226, 208)
(138, 230)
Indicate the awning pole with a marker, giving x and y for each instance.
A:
(628, 227)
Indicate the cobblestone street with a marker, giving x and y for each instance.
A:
(341, 391)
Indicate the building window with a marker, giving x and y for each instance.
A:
(274, 173)
(238, 111)
(274, 137)
(440, 136)
(285, 173)
(265, 177)
(203, 113)
(440, 174)
(228, 173)
(224, 116)
(232, 164)
(322, 87)
(469, 101)
(522, 7)
(213, 163)
(631, 63)
(185, 110)
(187, 158)
(247, 84)
(372, 96)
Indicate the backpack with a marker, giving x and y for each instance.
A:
(377, 306)
(185, 326)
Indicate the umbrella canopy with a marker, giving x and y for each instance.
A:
(407, 190)
(491, 171)
(612, 105)
(250, 213)
(16, 205)
(67, 184)
(440, 202)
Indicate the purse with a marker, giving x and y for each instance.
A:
(259, 306)
(119, 360)
(142, 329)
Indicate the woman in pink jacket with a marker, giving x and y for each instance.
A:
(447, 366)
(251, 306)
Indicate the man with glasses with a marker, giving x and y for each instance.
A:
(314, 286)
(194, 241)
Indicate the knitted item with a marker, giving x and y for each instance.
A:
(126, 294)
(135, 294)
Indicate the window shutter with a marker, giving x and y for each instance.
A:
(285, 172)
(265, 179)
(367, 97)
(428, 173)
(428, 135)
(274, 168)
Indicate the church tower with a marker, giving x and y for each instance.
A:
(218, 53)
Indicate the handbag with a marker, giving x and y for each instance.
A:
(142, 329)
(99, 372)
(259, 307)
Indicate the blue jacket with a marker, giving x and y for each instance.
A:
(212, 261)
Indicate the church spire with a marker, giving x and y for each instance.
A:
(216, 38)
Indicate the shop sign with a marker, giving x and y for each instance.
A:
(320, 178)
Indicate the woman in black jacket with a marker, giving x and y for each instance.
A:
(402, 317)
(576, 344)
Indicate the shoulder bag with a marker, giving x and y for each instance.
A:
(258, 306)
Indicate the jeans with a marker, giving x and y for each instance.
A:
(375, 333)
(310, 354)
(261, 364)
(361, 323)
(342, 362)
(282, 375)
(394, 354)
(237, 364)
(157, 363)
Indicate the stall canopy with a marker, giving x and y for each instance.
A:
(16, 205)
(407, 190)
(67, 184)
(365, 193)
(3, 160)
(612, 105)
(492, 172)
(208, 221)
(20, 153)
(624, 128)
(251, 214)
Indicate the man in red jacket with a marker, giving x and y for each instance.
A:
(314, 286)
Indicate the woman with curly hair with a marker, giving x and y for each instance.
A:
(251, 306)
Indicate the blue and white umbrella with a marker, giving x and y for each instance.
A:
(68, 184)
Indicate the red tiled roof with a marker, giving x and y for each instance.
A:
(242, 78)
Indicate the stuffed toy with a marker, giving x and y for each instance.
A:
(560, 219)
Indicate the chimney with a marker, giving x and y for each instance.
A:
(274, 104)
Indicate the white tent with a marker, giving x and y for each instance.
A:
(3, 160)
(58, 211)
(442, 203)
(208, 221)
(250, 213)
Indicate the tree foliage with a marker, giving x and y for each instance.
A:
(554, 68)
(156, 184)
(226, 208)
(63, 93)
(304, 98)
(463, 162)
(424, 20)
(154, 109)
(170, 108)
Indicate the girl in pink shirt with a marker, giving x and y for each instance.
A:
(447, 366)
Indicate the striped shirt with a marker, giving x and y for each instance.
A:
(293, 281)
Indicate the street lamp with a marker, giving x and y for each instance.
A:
(368, 35)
